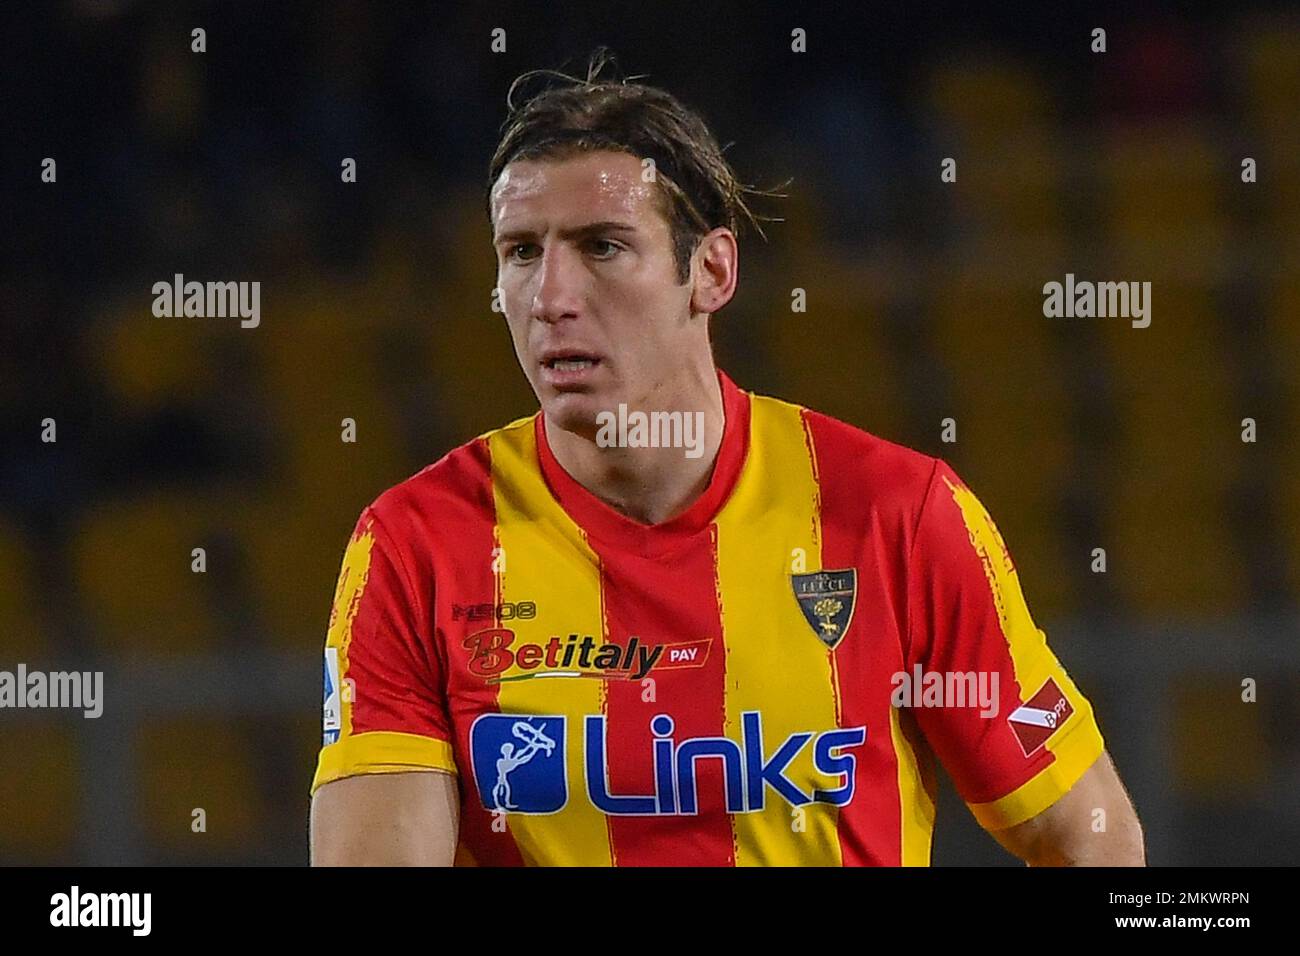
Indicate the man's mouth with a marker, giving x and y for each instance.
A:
(569, 360)
(571, 364)
(569, 369)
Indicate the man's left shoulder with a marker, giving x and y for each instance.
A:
(863, 466)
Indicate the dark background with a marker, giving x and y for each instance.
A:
(924, 303)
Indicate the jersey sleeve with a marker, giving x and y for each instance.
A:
(385, 708)
(968, 622)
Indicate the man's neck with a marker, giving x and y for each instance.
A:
(649, 485)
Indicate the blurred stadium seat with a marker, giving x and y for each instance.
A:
(834, 357)
(200, 763)
(1012, 413)
(1174, 552)
(1174, 395)
(150, 365)
(132, 560)
(995, 115)
(1222, 744)
(38, 793)
(1282, 306)
(24, 631)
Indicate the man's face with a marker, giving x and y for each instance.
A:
(589, 287)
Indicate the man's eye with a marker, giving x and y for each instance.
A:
(605, 248)
(513, 251)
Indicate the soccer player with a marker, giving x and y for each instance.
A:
(666, 621)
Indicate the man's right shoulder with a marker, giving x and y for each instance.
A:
(458, 486)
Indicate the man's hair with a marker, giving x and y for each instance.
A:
(697, 189)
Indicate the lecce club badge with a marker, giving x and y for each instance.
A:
(827, 599)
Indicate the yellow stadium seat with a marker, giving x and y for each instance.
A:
(1008, 164)
(150, 363)
(25, 638)
(833, 357)
(1162, 191)
(1012, 412)
(472, 360)
(1172, 549)
(1220, 742)
(1283, 324)
(39, 813)
(1270, 47)
(294, 555)
(1282, 311)
(200, 763)
(133, 563)
(987, 99)
(321, 366)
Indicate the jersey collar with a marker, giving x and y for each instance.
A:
(603, 522)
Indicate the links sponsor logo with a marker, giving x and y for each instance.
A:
(519, 766)
(496, 657)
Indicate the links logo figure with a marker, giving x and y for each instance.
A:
(519, 762)
(535, 740)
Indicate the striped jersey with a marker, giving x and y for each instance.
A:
(766, 679)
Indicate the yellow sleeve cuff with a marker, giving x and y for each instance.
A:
(1077, 750)
(381, 752)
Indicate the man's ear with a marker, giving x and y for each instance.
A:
(714, 271)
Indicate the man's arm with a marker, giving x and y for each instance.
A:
(385, 789)
(1071, 832)
(1033, 768)
(386, 819)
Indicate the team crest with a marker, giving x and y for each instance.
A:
(827, 599)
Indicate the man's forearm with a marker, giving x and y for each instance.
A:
(1120, 844)
(1094, 824)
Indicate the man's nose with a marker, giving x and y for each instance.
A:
(559, 285)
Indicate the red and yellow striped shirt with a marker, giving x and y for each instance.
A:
(765, 679)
